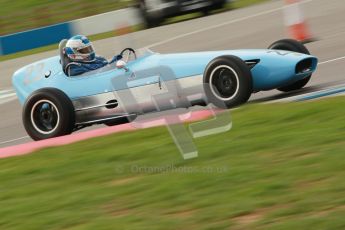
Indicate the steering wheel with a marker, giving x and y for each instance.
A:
(127, 54)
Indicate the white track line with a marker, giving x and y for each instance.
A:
(6, 91)
(7, 98)
(13, 140)
(332, 60)
(219, 25)
(7, 95)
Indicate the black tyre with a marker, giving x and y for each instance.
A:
(216, 6)
(150, 21)
(219, 5)
(206, 11)
(48, 113)
(295, 46)
(227, 82)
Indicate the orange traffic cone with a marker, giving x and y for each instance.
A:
(296, 23)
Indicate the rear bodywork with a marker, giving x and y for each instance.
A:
(109, 92)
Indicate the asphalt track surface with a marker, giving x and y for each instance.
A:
(252, 27)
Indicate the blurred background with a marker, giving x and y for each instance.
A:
(19, 16)
(30, 20)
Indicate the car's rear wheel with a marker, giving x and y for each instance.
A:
(48, 113)
(227, 82)
(295, 46)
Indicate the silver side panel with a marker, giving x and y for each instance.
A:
(140, 100)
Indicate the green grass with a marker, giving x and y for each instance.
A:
(20, 6)
(23, 15)
(280, 167)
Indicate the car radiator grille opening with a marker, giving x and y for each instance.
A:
(304, 66)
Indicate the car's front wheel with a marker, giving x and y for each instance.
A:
(48, 113)
(227, 82)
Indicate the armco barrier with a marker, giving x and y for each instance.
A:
(0, 47)
(30, 39)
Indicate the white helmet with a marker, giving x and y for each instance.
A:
(79, 48)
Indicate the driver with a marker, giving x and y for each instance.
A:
(81, 54)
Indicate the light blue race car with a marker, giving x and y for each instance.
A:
(55, 104)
